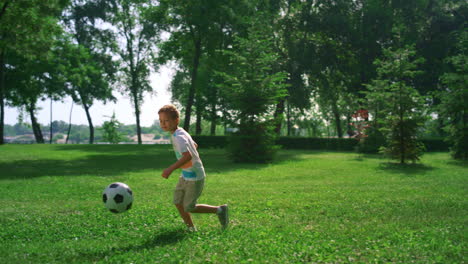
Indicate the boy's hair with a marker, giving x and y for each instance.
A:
(171, 110)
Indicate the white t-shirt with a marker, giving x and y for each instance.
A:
(183, 142)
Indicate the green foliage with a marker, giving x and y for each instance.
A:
(211, 141)
(372, 143)
(253, 86)
(454, 98)
(341, 144)
(435, 144)
(140, 35)
(111, 131)
(254, 143)
(312, 207)
(27, 26)
(398, 104)
(401, 140)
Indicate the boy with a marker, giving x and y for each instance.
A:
(192, 180)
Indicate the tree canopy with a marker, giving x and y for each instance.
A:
(298, 65)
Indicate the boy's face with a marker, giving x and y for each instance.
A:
(168, 123)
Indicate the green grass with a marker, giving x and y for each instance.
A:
(308, 206)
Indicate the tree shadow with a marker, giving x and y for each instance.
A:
(407, 169)
(98, 165)
(459, 163)
(218, 161)
(111, 160)
(367, 156)
(113, 148)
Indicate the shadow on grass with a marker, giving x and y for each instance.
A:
(367, 156)
(164, 238)
(111, 160)
(459, 163)
(98, 165)
(408, 169)
(113, 148)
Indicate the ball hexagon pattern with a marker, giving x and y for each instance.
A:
(117, 197)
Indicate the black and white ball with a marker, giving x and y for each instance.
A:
(117, 197)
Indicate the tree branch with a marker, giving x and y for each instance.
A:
(2, 12)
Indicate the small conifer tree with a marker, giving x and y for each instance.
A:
(111, 132)
(253, 86)
(401, 107)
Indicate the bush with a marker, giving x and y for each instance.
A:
(435, 144)
(342, 144)
(254, 143)
(345, 144)
(372, 143)
(210, 141)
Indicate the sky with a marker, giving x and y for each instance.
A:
(124, 110)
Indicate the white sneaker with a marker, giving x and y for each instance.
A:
(223, 216)
(191, 229)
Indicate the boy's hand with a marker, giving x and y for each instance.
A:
(166, 173)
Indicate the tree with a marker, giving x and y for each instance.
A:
(33, 78)
(291, 38)
(87, 79)
(197, 28)
(254, 85)
(454, 97)
(138, 24)
(88, 55)
(26, 29)
(111, 132)
(400, 101)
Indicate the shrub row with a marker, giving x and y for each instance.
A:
(435, 144)
(343, 144)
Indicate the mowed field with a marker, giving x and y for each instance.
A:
(306, 207)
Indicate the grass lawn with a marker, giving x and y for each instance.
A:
(308, 206)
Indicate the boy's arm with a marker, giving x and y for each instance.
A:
(186, 157)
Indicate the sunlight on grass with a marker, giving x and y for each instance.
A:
(308, 206)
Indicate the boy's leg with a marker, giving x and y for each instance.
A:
(179, 194)
(221, 211)
(185, 215)
(205, 209)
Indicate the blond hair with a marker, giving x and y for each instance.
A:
(171, 110)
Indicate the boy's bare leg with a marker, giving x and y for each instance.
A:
(185, 216)
(205, 209)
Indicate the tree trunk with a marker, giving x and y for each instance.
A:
(278, 115)
(4, 7)
(2, 95)
(137, 114)
(213, 119)
(336, 114)
(191, 95)
(288, 118)
(69, 124)
(198, 128)
(136, 103)
(35, 125)
(90, 122)
(401, 114)
(50, 134)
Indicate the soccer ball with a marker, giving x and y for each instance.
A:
(117, 197)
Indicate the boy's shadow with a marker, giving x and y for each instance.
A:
(164, 238)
